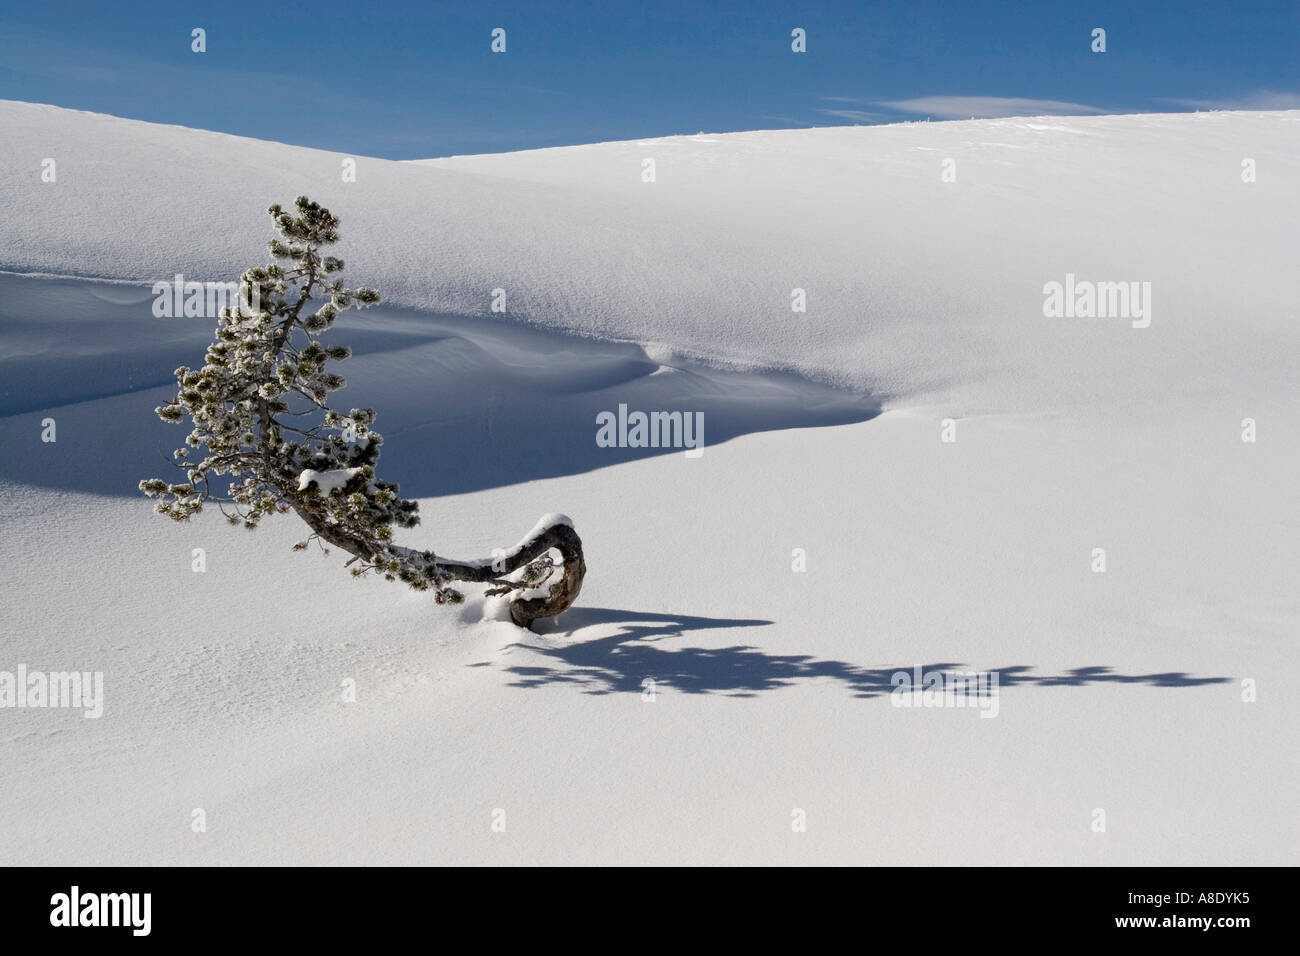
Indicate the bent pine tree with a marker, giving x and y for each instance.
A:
(265, 377)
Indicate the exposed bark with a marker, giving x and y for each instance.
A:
(559, 535)
(560, 595)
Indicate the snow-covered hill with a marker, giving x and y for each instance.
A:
(1120, 691)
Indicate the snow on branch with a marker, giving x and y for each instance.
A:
(268, 367)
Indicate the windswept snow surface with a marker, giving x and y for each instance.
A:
(703, 697)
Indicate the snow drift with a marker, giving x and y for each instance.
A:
(745, 613)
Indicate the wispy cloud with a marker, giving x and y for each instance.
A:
(857, 116)
(1258, 100)
(987, 107)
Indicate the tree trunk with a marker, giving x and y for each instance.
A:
(554, 531)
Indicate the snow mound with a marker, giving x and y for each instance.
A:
(914, 286)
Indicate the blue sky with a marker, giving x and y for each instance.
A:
(407, 80)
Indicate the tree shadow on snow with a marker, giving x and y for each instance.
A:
(643, 649)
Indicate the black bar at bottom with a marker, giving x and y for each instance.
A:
(338, 905)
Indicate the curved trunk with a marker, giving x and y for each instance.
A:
(552, 531)
(557, 534)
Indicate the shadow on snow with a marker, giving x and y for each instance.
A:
(643, 649)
